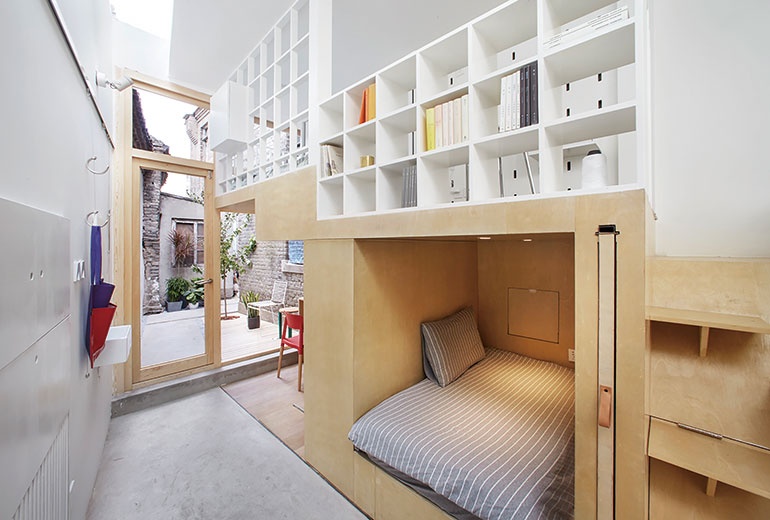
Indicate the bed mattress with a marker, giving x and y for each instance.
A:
(498, 441)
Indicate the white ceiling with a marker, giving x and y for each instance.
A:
(210, 39)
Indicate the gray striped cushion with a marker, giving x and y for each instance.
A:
(452, 345)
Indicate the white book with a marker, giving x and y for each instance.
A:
(503, 102)
(335, 159)
(516, 102)
(509, 103)
(439, 128)
(327, 167)
(464, 117)
(446, 124)
(457, 119)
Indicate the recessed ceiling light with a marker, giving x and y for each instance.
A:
(485, 238)
(526, 240)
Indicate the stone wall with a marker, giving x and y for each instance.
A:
(151, 183)
(269, 265)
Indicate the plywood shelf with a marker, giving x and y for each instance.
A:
(718, 458)
(708, 320)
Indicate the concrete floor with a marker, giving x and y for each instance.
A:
(204, 457)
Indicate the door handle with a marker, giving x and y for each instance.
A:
(204, 282)
(605, 406)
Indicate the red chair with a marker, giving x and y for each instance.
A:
(295, 322)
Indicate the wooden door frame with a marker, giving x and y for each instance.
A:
(126, 239)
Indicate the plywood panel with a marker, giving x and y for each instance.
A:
(395, 501)
(546, 263)
(329, 360)
(725, 460)
(678, 493)
(398, 285)
(725, 392)
(533, 314)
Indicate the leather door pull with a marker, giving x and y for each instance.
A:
(605, 406)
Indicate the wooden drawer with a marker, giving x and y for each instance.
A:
(722, 459)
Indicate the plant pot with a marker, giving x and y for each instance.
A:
(254, 322)
(173, 306)
(200, 303)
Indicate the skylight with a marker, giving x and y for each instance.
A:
(152, 16)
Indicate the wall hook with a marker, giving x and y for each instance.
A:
(95, 220)
(88, 167)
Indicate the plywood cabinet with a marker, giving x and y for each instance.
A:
(709, 414)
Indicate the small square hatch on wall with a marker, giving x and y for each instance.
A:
(533, 314)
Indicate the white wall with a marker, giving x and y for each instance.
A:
(710, 130)
(139, 50)
(368, 35)
(49, 130)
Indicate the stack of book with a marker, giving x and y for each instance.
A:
(458, 183)
(409, 193)
(368, 104)
(447, 124)
(331, 157)
(603, 20)
(518, 99)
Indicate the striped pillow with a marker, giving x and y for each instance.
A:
(452, 345)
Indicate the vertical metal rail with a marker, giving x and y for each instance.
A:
(81, 70)
(605, 452)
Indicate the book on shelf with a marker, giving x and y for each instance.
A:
(332, 157)
(364, 106)
(464, 117)
(430, 129)
(457, 115)
(446, 125)
(533, 93)
(458, 183)
(527, 98)
(439, 128)
(599, 22)
(410, 99)
(410, 149)
(409, 191)
(371, 102)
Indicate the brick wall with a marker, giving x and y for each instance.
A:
(267, 267)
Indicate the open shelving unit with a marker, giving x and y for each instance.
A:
(586, 86)
(277, 75)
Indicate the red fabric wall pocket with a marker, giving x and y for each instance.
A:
(101, 319)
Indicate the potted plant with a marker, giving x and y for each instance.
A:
(253, 314)
(176, 287)
(195, 294)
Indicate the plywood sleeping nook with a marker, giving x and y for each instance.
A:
(371, 280)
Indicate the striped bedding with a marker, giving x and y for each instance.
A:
(498, 441)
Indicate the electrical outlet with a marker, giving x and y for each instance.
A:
(571, 353)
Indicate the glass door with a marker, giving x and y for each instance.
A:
(174, 273)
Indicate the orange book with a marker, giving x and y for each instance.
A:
(362, 114)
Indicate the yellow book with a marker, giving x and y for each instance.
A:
(430, 129)
(371, 97)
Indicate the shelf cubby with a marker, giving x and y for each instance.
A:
(437, 61)
(357, 143)
(283, 34)
(301, 58)
(559, 15)
(485, 100)
(302, 15)
(360, 191)
(353, 97)
(606, 49)
(433, 173)
(330, 116)
(390, 183)
(503, 37)
(394, 132)
(283, 72)
(614, 120)
(330, 196)
(395, 84)
(268, 82)
(301, 95)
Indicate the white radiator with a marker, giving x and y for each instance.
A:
(47, 496)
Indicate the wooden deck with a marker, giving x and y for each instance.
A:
(238, 342)
(275, 403)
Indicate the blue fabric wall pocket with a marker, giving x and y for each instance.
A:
(100, 310)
